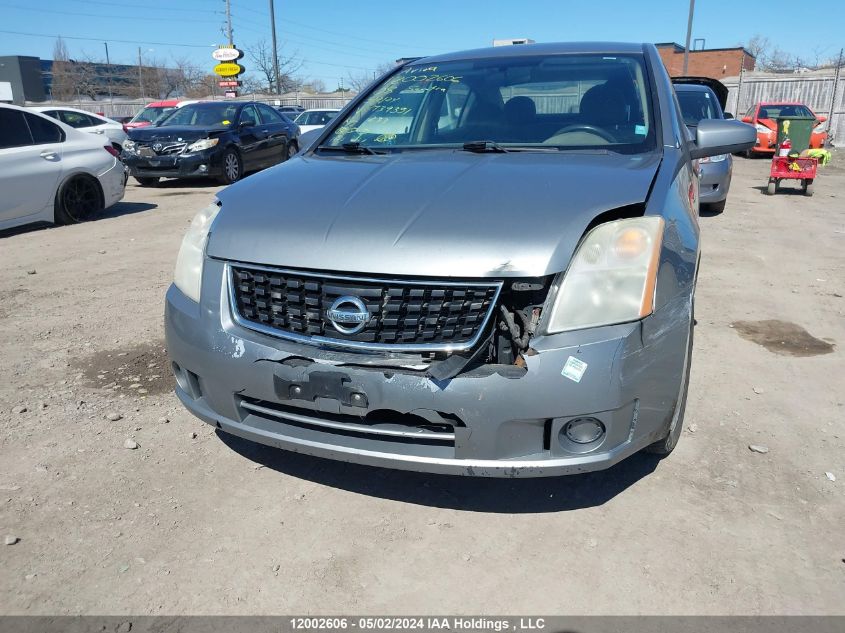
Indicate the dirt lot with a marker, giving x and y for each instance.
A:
(197, 522)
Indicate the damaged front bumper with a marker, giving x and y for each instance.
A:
(385, 410)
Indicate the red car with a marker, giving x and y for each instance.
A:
(153, 111)
(762, 116)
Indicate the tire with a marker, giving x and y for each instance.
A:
(147, 182)
(715, 207)
(771, 188)
(808, 187)
(676, 426)
(77, 199)
(232, 167)
(290, 150)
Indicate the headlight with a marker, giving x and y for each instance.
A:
(129, 146)
(206, 143)
(713, 159)
(611, 277)
(763, 128)
(188, 275)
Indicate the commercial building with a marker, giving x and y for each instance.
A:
(708, 62)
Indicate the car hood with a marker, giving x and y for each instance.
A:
(426, 213)
(173, 133)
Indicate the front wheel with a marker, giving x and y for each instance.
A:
(232, 167)
(147, 182)
(771, 188)
(290, 150)
(676, 426)
(77, 200)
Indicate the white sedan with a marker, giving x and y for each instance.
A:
(87, 122)
(314, 119)
(50, 172)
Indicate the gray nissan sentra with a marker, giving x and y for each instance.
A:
(485, 265)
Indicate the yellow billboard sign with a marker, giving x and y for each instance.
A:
(228, 69)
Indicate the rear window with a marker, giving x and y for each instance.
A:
(697, 105)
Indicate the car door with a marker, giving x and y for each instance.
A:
(251, 138)
(276, 133)
(30, 164)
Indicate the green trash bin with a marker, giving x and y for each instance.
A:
(798, 129)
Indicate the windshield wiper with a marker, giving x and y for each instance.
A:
(350, 148)
(480, 147)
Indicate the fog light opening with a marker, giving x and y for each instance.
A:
(181, 380)
(584, 430)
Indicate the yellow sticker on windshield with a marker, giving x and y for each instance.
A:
(226, 122)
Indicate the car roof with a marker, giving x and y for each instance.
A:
(61, 107)
(524, 50)
(691, 88)
(322, 110)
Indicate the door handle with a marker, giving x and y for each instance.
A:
(99, 132)
(49, 155)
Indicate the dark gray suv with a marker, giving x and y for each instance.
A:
(485, 265)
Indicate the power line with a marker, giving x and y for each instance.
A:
(96, 15)
(100, 39)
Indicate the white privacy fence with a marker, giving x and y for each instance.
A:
(822, 90)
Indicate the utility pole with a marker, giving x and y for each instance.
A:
(229, 22)
(836, 76)
(689, 33)
(141, 75)
(275, 51)
(109, 71)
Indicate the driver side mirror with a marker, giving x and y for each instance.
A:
(720, 136)
(248, 123)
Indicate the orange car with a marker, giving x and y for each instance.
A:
(762, 116)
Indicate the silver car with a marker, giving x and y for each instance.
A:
(502, 285)
(702, 98)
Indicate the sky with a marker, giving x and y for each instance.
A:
(335, 38)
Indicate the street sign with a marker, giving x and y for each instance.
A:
(229, 83)
(231, 93)
(228, 69)
(227, 54)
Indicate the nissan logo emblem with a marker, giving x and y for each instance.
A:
(348, 309)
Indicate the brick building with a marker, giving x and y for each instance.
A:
(709, 62)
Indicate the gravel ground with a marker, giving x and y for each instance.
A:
(113, 500)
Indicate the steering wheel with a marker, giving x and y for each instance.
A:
(586, 127)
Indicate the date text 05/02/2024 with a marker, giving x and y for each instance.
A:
(394, 623)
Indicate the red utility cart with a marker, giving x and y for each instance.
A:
(792, 168)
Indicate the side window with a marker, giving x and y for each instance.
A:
(76, 119)
(53, 114)
(268, 114)
(43, 131)
(13, 129)
(249, 114)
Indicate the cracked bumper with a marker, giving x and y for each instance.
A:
(506, 426)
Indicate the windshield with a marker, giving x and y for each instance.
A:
(783, 111)
(315, 117)
(150, 114)
(203, 115)
(553, 101)
(697, 105)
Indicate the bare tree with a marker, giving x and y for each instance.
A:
(62, 83)
(261, 57)
(358, 81)
(313, 85)
(771, 58)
